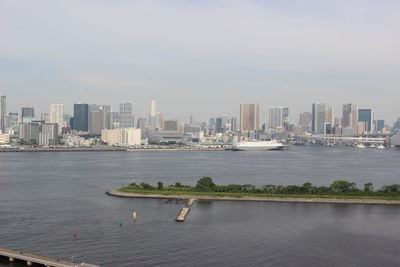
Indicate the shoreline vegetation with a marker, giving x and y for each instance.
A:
(339, 191)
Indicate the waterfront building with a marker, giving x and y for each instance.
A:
(367, 116)
(349, 118)
(141, 124)
(4, 139)
(305, 121)
(29, 131)
(321, 114)
(278, 118)
(153, 115)
(234, 127)
(362, 127)
(171, 125)
(160, 121)
(12, 122)
(219, 125)
(27, 114)
(380, 124)
(57, 115)
(3, 110)
(99, 119)
(249, 117)
(126, 119)
(122, 136)
(81, 117)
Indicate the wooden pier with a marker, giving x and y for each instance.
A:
(182, 215)
(30, 259)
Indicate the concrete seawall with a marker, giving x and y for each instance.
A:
(117, 193)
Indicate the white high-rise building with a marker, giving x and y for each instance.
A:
(153, 115)
(126, 119)
(322, 116)
(275, 118)
(57, 115)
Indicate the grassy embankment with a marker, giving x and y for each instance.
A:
(206, 188)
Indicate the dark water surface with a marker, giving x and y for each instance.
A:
(45, 197)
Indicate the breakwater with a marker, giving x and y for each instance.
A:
(117, 193)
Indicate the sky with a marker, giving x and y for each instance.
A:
(201, 58)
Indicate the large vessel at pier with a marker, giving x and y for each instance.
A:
(257, 145)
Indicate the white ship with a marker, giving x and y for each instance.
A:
(257, 145)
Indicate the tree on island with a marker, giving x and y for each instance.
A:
(205, 184)
(343, 186)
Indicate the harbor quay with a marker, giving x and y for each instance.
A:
(32, 259)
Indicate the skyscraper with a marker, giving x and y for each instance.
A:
(278, 118)
(153, 115)
(305, 119)
(249, 117)
(125, 115)
(99, 119)
(57, 115)
(27, 114)
(81, 117)
(322, 117)
(3, 110)
(379, 124)
(219, 125)
(349, 117)
(367, 116)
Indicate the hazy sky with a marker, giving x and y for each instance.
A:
(201, 58)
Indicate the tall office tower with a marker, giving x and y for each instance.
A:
(29, 131)
(349, 117)
(305, 119)
(153, 115)
(367, 116)
(3, 110)
(275, 120)
(57, 115)
(100, 119)
(219, 125)
(249, 117)
(27, 114)
(379, 124)
(48, 134)
(141, 124)
(12, 122)
(322, 116)
(285, 118)
(191, 122)
(233, 124)
(81, 117)
(211, 123)
(67, 120)
(126, 119)
(45, 117)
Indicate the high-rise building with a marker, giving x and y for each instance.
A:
(99, 119)
(81, 117)
(27, 114)
(322, 115)
(126, 119)
(141, 124)
(29, 132)
(12, 122)
(153, 115)
(171, 125)
(48, 134)
(219, 125)
(367, 116)
(3, 110)
(305, 119)
(380, 124)
(349, 117)
(249, 117)
(234, 127)
(278, 118)
(57, 115)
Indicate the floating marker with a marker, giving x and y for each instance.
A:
(134, 216)
(120, 223)
(75, 235)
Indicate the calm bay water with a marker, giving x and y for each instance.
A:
(45, 197)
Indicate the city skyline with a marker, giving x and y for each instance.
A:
(288, 55)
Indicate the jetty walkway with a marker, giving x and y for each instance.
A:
(31, 259)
